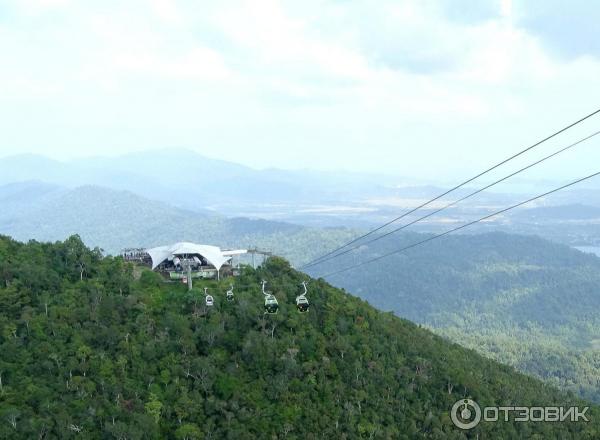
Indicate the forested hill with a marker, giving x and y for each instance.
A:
(89, 352)
(114, 220)
(522, 300)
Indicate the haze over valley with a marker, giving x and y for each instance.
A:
(180, 178)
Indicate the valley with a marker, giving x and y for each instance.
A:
(315, 199)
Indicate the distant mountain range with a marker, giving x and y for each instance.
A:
(151, 184)
(114, 219)
(189, 180)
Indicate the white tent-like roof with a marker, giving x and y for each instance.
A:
(213, 254)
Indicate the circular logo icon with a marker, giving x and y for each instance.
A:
(465, 414)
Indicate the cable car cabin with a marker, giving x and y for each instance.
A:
(302, 301)
(302, 304)
(209, 301)
(271, 304)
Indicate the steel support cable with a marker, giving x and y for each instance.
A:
(393, 231)
(316, 260)
(434, 237)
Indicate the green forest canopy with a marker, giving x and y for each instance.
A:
(87, 351)
(521, 300)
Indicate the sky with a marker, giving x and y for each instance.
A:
(427, 88)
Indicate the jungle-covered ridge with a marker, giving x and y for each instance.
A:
(90, 351)
(522, 300)
(116, 219)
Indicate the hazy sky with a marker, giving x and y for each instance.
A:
(425, 88)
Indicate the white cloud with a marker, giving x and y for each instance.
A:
(283, 43)
(167, 11)
(35, 7)
(199, 63)
(326, 77)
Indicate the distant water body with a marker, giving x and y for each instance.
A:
(589, 249)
